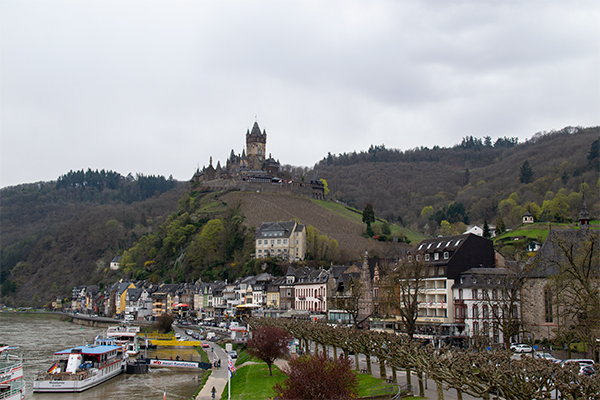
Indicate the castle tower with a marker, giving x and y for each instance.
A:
(256, 147)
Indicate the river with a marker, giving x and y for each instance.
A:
(39, 336)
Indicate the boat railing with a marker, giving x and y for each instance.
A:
(7, 366)
(17, 386)
(62, 376)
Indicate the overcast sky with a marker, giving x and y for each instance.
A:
(157, 87)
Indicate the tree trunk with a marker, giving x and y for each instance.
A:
(382, 370)
(440, 390)
(408, 376)
(334, 353)
(325, 349)
(394, 375)
(368, 358)
(421, 384)
(459, 394)
(486, 396)
(356, 360)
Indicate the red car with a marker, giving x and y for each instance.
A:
(205, 345)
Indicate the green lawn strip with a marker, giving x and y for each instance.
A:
(367, 382)
(350, 214)
(253, 382)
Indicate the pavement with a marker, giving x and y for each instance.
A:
(219, 376)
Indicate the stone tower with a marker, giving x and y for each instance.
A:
(256, 147)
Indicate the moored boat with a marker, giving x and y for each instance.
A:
(12, 384)
(80, 368)
(127, 336)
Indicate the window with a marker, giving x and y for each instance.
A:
(259, 251)
(475, 327)
(278, 241)
(460, 294)
(426, 257)
(259, 241)
(272, 241)
(418, 257)
(548, 304)
(436, 256)
(486, 313)
(495, 294)
(474, 292)
(446, 255)
(409, 258)
(475, 312)
(285, 241)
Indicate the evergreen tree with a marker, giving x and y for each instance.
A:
(486, 229)
(526, 172)
(368, 217)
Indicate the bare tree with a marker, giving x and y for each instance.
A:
(400, 287)
(574, 257)
(351, 298)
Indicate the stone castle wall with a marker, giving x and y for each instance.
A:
(296, 188)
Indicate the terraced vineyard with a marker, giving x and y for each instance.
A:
(265, 207)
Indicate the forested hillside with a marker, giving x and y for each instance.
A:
(59, 234)
(56, 235)
(474, 181)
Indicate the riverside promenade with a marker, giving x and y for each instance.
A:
(218, 378)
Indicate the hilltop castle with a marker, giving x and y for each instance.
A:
(251, 165)
(252, 171)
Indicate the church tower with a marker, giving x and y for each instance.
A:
(256, 147)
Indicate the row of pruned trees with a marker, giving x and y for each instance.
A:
(478, 374)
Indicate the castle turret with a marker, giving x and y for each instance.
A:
(256, 147)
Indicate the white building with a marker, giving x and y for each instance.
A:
(286, 240)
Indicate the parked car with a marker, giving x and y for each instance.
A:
(586, 366)
(521, 348)
(233, 354)
(546, 356)
(205, 345)
(189, 332)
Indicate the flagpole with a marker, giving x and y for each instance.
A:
(228, 381)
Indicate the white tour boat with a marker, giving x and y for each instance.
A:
(12, 384)
(80, 368)
(127, 336)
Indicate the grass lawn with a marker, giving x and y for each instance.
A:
(253, 382)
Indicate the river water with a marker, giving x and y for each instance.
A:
(39, 336)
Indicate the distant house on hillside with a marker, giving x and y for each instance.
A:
(478, 230)
(527, 218)
(115, 263)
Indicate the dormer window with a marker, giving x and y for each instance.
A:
(446, 255)
(436, 256)
(426, 257)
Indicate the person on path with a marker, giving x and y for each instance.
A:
(214, 392)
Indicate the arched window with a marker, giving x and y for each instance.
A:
(460, 295)
(475, 312)
(486, 314)
(494, 294)
(548, 304)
